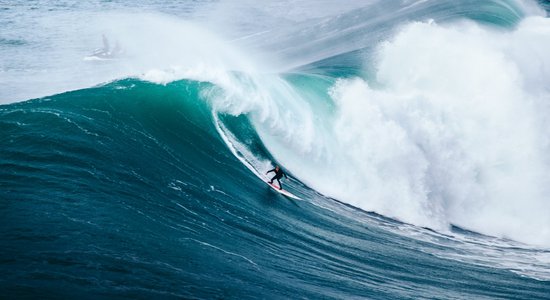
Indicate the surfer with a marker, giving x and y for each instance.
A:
(278, 175)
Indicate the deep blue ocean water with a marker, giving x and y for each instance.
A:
(139, 175)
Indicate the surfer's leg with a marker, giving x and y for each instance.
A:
(280, 185)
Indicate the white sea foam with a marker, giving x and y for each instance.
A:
(454, 131)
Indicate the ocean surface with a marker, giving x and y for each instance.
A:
(135, 136)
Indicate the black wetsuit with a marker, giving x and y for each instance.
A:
(278, 175)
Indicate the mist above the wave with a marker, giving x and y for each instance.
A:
(162, 48)
(157, 47)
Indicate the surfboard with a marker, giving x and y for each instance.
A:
(283, 191)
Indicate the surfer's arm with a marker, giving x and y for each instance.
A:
(270, 171)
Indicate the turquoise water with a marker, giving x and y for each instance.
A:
(397, 123)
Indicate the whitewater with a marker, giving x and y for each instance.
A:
(416, 132)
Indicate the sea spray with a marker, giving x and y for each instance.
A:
(450, 134)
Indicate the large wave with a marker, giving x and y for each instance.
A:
(434, 114)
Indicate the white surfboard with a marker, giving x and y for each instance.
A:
(283, 191)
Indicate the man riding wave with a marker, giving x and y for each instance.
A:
(278, 175)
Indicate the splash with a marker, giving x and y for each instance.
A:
(453, 130)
